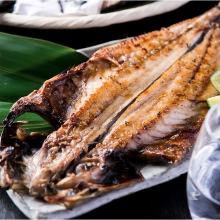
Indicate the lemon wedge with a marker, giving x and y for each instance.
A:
(213, 100)
(215, 79)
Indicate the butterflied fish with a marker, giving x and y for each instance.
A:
(134, 101)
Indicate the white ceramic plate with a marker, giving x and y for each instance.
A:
(98, 20)
(153, 175)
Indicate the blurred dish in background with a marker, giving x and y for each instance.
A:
(73, 14)
(62, 7)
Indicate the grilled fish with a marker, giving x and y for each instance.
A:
(136, 100)
(162, 122)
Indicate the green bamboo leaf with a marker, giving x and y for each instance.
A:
(32, 122)
(4, 109)
(13, 86)
(26, 62)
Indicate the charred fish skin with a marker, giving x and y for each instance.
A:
(114, 76)
(71, 141)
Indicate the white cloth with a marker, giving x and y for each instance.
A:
(57, 7)
(82, 7)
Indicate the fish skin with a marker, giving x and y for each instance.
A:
(85, 104)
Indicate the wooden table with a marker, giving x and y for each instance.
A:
(164, 201)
